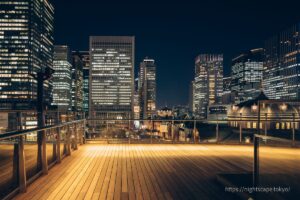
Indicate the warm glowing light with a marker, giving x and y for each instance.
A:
(254, 107)
(283, 107)
(234, 108)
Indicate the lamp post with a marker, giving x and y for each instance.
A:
(293, 128)
(240, 127)
(258, 118)
(266, 124)
(217, 129)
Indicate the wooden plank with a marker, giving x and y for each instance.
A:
(95, 187)
(124, 183)
(113, 176)
(45, 184)
(145, 154)
(136, 180)
(70, 177)
(89, 187)
(106, 180)
(81, 188)
(130, 181)
(123, 171)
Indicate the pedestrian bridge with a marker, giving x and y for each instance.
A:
(58, 168)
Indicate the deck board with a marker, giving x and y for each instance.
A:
(134, 171)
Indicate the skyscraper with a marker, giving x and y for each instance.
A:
(77, 82)
(246, 75)
(111, 77)
(281, 75)
(26, 47)
(191, 96)
(227, 96)
(208, 83)
(136, 100)
(147, 88)
(84, 61)
(62, 78)
(86, 71)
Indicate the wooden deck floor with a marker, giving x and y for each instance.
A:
(125, 171)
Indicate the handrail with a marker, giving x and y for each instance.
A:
(74, 136)
(26, 131)
(265, 137)
(256, 153)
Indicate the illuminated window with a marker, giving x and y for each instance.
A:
(277, 125)
(288, 125)
(254, 125)
(248, 124)
(282, 125)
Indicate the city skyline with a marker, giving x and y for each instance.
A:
(164, 100)
(174, 48)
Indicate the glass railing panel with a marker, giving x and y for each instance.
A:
(51, 145)
(8, 167)
(32, 163)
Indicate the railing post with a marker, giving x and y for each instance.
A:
(152, 129)
(84, 128)
(172, 130)
(19, 155)
(58, 141)
(44, 153)
(256, 162)
(194, 132)
(217, 132)
(76, 136)
(81, 133)
(22, 168)
(68, 142)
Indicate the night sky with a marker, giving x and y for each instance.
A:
(174, 32)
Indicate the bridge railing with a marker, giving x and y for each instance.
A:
(27, 154)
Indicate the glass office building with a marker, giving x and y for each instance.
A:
(111, 77)
(282, 65)
(147, 88)
(77, 82)
(26, 47)
(208, 83)
(246, 75)
(62, 78)
(86, 71)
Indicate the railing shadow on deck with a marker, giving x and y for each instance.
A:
(27, 154)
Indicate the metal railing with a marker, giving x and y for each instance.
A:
(234, 130)
(27, 154)
(256, 144)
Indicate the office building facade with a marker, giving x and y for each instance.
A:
(111, 83)
(86, 72)
(147, 88)
(136, 100)
(281, 75)
(228, 96)
(77, 82)
(62, 78)
(246, 75)
(26, 47)
(208, 83)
